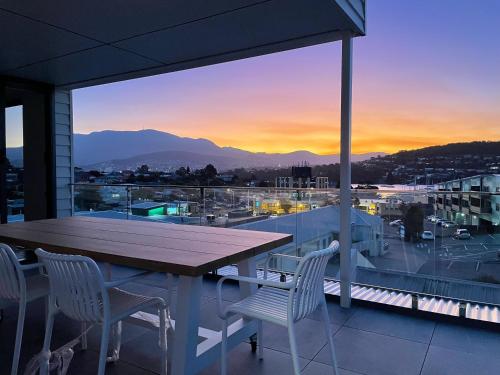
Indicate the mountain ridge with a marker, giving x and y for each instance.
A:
(127, 149)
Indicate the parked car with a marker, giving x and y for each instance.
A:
(448, 224)
(402, 231)
(427, 235)
(432, 218)
(396, 223)
(462, 234)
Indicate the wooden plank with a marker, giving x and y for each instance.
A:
(179, 227)
(241, 237)
(183, 244)
(171, 248)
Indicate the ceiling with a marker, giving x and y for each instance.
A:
(74, 43)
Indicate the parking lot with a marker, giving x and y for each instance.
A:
(444, 249)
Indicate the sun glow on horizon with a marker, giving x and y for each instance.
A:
(413, 87)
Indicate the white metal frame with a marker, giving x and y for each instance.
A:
(78, 290)
(283, 303)
(191, 357)
(13, 289)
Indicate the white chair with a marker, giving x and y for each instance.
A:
(16, 288)
(78, 290)
(283, 303)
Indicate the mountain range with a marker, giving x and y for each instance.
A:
(119, 150)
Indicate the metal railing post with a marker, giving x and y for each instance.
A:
(345, 173)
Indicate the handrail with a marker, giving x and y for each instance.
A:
(227, 187)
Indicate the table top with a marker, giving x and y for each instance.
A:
(180, 249)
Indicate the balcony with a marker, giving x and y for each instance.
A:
(419, 307)
(442, 273)
(368, 341)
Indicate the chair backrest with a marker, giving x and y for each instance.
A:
(309, 281)
(76, 286)
(12, 282)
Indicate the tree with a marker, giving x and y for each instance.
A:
(209, 171)
(88, 199)
(413, 218)
(142, 194)
(143, 169)
(390, 178)
(181, 172)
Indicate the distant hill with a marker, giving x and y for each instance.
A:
(433, 164)
(128, 149)
(428, 165)
(478, 148)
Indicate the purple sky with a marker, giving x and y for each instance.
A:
(428, 72)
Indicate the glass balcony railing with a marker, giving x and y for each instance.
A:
(404, 240)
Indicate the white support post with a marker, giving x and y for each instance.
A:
(345, 172)
(186, 325)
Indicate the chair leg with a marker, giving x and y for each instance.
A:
(104, 348)
(45, 360)
(19, 337)
(293, 348)
(116, 342)
(171, 291)
(83, 340)
(163, 340)
(260, 339)
(223, 358)
(329, 336)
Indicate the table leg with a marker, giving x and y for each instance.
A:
(248, 268)
(116, 329)
(186, 325)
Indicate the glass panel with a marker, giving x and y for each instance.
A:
(15, 166)
(441, 243)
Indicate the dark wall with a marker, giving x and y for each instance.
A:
(38, 153)
(36, 166)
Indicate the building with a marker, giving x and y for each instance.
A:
(472, 201)
(302, 178)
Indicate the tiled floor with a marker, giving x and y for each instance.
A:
(368, 341)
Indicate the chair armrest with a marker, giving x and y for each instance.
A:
(277, 255)
(250, 280)
(32, 266)
(115, 283)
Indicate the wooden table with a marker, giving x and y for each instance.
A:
(184, 250)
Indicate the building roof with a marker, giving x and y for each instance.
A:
(147, 205)
(74, 44)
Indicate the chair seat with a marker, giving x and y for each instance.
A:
(37, 286)
(267, 303)
(124, 303)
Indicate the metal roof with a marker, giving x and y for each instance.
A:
(74, 44)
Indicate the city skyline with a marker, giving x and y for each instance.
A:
(419, 81)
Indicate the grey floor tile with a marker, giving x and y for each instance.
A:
(338, 315)
(375, 354)
(315, 368)
(230, 290)
(241, 361)
(392, 324)
(87, 363)
(310, 335)
(467, 339)
(143, 351)
(442, 361)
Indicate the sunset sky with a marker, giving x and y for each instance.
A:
(428, 72)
